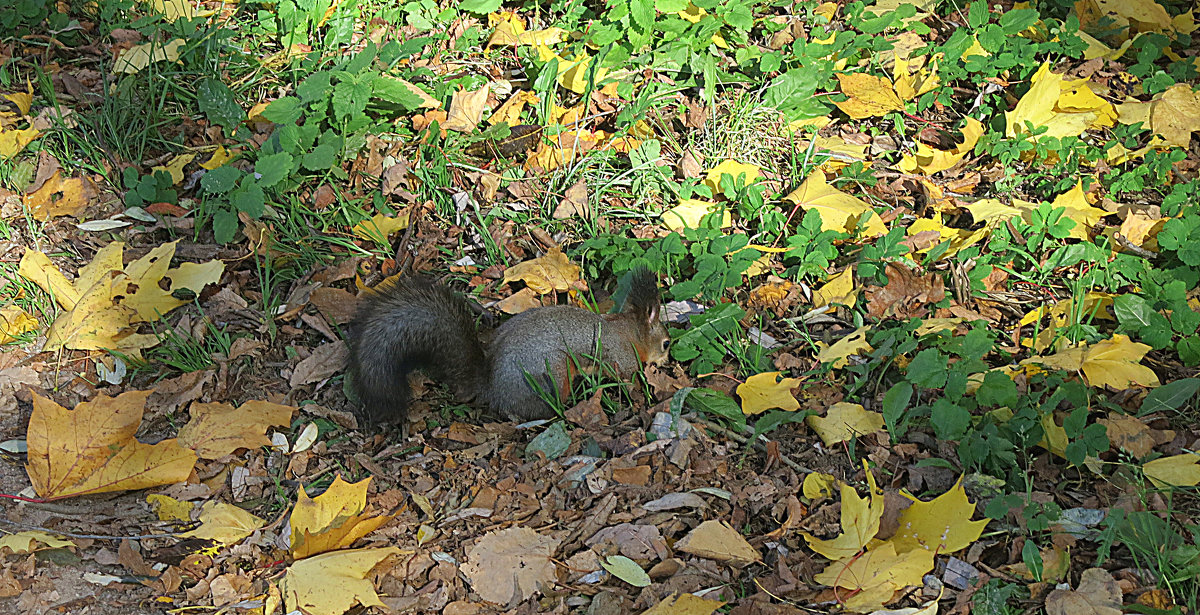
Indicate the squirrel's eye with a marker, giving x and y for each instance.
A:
(666, 344)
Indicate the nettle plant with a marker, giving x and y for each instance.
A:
(323, 123)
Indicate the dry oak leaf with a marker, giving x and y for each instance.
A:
(224, 523)
(860, 518)
(875, 576)
(762, 392)
(942, 525)
(1098, 594)
(218, 429)
(23, 100)
(92, 449)
(552, 272)
(510, 565)
(870, 96)
(684, 604)
(325, 361)
(60, 196)
(715, 540)
(574, 203)
(843, 422)
(332, 583)
(839, 211)
(332, 520)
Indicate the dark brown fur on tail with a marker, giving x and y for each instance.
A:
(405, 325)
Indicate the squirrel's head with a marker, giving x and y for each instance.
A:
(645, 305)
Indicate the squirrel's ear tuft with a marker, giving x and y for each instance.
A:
(643, 295)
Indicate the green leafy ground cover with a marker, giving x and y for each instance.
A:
(978, 225)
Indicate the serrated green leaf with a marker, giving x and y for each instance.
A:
(220, 180)
(286, 110)
(273, 168)
(225, 226)
(321, 157)
(249, 199)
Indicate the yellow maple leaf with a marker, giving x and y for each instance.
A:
(1176, 470)
(928, 160)
(844, 421)
(332, 520)
(92, 449)
(174, 9)
(1078, 209)
(1039, 107)
(839, 211)
(218, 429)
(224, 523)
(875, 576)
(61, 196)
(762, 392)
(818, 485)
(380, 227)
(839, 289)
(13, 141)
(143, 292)
(860, 519)
(15, 322)
(913, 80)
(174, 167)
(839, 352)
(23, 542)
(733, 168)
(1113, 362)
(942, 525)
(552, 272)
(218, 159)
(958, 239)
(23, 100)
(137, 58)
(870, 96)
(332, 583)
(169, 509)
(689, 212)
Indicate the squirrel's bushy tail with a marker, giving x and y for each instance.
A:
(413, 324)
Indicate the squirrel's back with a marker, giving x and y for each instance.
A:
(412, 324)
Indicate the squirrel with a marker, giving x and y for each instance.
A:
(411, 323)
